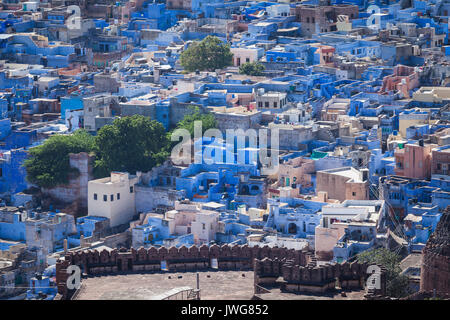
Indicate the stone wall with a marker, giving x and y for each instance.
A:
(311, 278)
(293, 270)
(148, 199)
(237, 121)
(435, 271)
(77, 188)
(236, 257)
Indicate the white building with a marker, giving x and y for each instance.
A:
(245, 55)
(279, 10)
(336, 218)
(113, 198)
(205, 226)
(270, 100)
(47, 83)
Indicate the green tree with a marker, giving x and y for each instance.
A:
(207, 119)
(130, 144)
(48, 165)
(396, 283)
(209, 54)
(252, 68)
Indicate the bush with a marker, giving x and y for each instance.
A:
(252, 69)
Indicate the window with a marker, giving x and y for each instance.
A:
(203, 226)
(112, 197)
(266, 104)
(439, 166)
(260, 104)
(95, 196)
(275, 105)
(118, 196)
(131, 189)
(105, 197)
(307, 19)
(247, 59)
(353, 193)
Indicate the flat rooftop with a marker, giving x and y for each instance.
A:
(220, 285)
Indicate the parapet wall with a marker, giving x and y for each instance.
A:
(229, 257)
(312, 278)
(292, 270)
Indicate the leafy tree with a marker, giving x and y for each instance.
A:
(209, 54)
(207, 119)
(396, 284)
(130, 144)
(252, 69)
(48, 165)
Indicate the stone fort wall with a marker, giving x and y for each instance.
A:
(435, 270)
(297, 269)
(313, 278)
(194, 258)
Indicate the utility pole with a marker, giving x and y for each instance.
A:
(198, 286)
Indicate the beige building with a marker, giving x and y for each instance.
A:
(190, 217)
(296, 171)
(337, 217)
(408, 119)
(95, 107)
(326, 239)
(432, 94)
(113, 198)
(205, 226)
(244, 55)
(183, 215)
(343, 23)
(334, 108)
(270, 100)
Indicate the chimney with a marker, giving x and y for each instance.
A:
(421, 142)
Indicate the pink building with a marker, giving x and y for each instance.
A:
(240, 99)
(345, 183)
(326, 239)
(441, 160)
(414, 160)
(325, 53)
(403, 80)
(296, 171)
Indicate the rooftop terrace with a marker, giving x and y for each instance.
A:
(220, 285)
